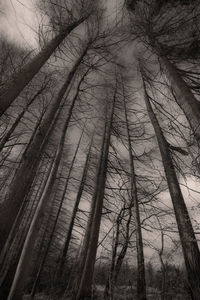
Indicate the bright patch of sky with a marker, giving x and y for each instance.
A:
(19, 22)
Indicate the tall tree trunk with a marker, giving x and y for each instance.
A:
(63, 257)
(18, 81)
(56, 220)
(141, 282)
(21, 275)
(84, 248)
(26, 171)
(85, 287)
(188, 240)
(8, 259)
(184, 96)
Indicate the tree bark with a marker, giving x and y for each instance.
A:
(85, 287)
(18, 81)
(21, 275)
(8, 259)
(110, 284)
(26, 171)
(124, 249)
(184, 96)
(188, 240)
(83, 253)
(56, 220)
(74, 212)
(141, 281)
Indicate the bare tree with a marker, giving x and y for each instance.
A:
(167, 33)
(94, 221)
(188, 240)
(8, 134)
(20, 79)
(31, 157)
(63, 256)
(141, 283)
(22, 271)
(56, 219)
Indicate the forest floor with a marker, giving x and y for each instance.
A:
(121, 293)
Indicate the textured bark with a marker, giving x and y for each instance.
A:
(85, 287)
(26, 171)
(22, 271)
(141, 282)
(17, 83)
(184, 96)
(188, 240)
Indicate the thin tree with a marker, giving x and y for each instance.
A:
(110, 284)
(64, 251)
(188, 240)
(83, 252)
(85, 286)
(141, 282)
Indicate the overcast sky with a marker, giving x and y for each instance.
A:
(19, 21)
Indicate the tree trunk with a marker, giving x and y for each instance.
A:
(8, 259)
(18, 81)
(141, 282)
(21, 275)
(85, 287)
(184, 96)
(56, 220)
(110, 284)
(26, 171)
(187, 237)
(109, 288)
(86, 240)
(124, 249)
(74, 212)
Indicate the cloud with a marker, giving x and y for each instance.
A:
(19, 21)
